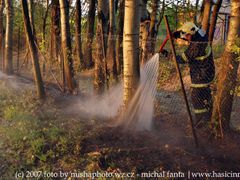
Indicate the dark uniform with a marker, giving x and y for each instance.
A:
(202, 71)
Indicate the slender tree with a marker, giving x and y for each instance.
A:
(88, 59)
(229, 68)
(44, 26)
(31, 15)
(111, 50)
(55, 30)
(216, 8)
(1, 23)
(119, 49)
(33, 50)
(1, 32)
(78, 30)
(101, 73)
(153, 24)
(144, 31)
(196, 11)
(207, 5)
(66, 45)
(9, 38)
(130, 48)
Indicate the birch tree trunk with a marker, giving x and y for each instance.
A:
(119, 48)
(2, 33)
(196, 11)
(33, 50)
(228, 73)
(66, 45)
(78, 31)
(88, 59)
(206, 14)
(1, 23)
(31, 16)
(130, 48)
(9, 38)
(55, 30)
(216, 8)
(101, 73)
(144, 31)
(153, 29)
(111, 50)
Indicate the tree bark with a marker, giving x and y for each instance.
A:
(130, 48)
(8, 69)
(206, 14)
(101, 71)
(44, 26)
(55, 30)
(228, 74)
(31, 16)
(153, 24)
(88, 59)
(216, 8)
(111, 50)
(196, 11)
(1, 23)
(33, 50)
(66, 45)
(161, 15)
(119, 48)
(78, 22)
(1, 31)
(144, 31)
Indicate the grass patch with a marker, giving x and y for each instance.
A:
(34, 136)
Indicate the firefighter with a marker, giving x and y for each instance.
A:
(198, 56)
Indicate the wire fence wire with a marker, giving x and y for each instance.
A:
(169, 97)
(170, 102)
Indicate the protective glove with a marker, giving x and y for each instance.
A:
(176, 34)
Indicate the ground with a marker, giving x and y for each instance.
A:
(53, 135)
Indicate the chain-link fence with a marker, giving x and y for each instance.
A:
(169, 97)
(200, 86)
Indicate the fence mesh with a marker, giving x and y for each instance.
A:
(169, 97)
(170, 100)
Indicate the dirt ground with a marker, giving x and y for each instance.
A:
(168, 146)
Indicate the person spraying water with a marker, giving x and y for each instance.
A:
(198, 56)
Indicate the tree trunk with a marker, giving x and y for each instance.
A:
(228, 73)
(9, 38)
(153, 24)
(66, 45)
(196, 11)
(161, 16)
(206, 14)
(130, 48)
(1, 23)
(144, 31)
(44, 26)
(31, 16)
(111, 50)
(214, 18)
(55, 30)
(1, 28)
(88, 59)
(103, 9)
(78, 19)
(101, 73)
(33, 50)
(119, 49)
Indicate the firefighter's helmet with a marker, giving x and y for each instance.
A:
(188, 28)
